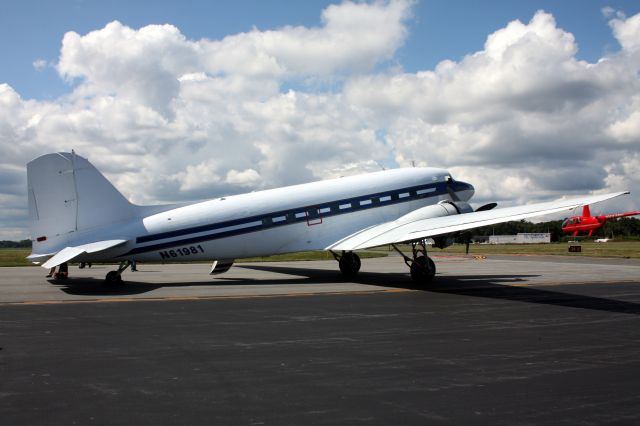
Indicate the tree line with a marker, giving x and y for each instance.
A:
(622, 228)
(15, 244)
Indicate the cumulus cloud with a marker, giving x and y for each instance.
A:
(139, 65)
(148, 65)
(627, 31)
(523, 106)
(248, 177)
(40, 64)
(170, 119)
(353, 37)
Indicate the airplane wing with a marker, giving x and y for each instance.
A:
(400, 231)
(70, 253)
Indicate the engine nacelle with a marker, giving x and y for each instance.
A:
(443, 208)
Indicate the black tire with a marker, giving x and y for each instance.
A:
(113, 278)
(349, 264)
(423, 270)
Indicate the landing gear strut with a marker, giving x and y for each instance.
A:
(349, 263)
(115, 277)
(421, 266)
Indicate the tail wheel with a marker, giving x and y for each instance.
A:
(349, 264)
(423, 270)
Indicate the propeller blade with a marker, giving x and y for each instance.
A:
(486, 207)
(452, 193)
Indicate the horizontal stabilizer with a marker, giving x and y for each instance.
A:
(38, 258)
(70, 253)
(401, 231)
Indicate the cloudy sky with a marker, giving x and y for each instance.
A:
(188, 100)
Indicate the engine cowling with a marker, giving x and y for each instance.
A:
(443, 208)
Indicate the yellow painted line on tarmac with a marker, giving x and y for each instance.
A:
(196, 298)
(456, 258)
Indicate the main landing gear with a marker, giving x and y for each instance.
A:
(349, 263)
(421, 266)
(115, 277)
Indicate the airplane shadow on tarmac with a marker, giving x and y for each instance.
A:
(97, 287)
(484, 286)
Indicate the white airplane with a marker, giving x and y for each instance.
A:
(77, 214)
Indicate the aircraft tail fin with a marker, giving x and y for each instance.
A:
(67, 195)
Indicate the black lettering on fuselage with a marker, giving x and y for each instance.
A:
(180, 252)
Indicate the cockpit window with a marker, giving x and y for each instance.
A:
(571, 221)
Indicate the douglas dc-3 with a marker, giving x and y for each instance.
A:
(76, 214)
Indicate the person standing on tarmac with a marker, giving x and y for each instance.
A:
(63, 271)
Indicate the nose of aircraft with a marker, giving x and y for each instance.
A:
(463, 190)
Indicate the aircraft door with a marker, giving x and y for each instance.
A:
(314, 216)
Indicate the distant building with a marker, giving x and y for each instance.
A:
(480, 239)
(533, 238)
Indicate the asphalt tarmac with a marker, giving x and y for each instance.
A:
(504, 340)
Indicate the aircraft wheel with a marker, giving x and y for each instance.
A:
(113, 278)
(423, 270)
(349, 264)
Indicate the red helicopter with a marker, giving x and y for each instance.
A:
(588, 223)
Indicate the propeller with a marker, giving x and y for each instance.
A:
(452, 193)
(486, 207)
(467, 234)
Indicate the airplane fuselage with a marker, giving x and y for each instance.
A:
(296, 218)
